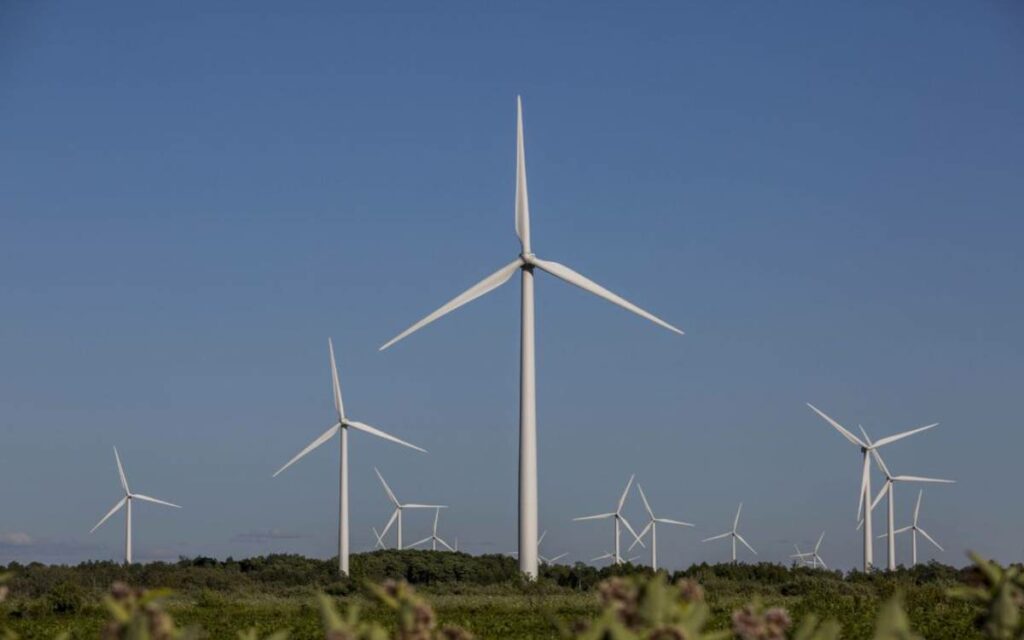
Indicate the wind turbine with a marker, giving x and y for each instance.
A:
(652, 526)
(888, 488)
(380, 540)
(525, 263)
(800, 557)
(865, 484)
(399, 507)
(433, 538)
(342, 426)
(915, 529)
(734, 534)
(618, 517)
(126, 501)
(811, 558)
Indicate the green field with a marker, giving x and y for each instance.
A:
(480, 594)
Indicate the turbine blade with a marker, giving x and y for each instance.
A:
(419, 542)
(643, 532)
(437, 515)
(625, 492)
(736, 521)
(917, 507)
(604, 557)
(120, 503)
(740, 538)
(522, 199)
(490, 283)
(391, 521)
(339, 406)
(930, 539)
(632, 531)
(444, 544)
(902, 530)
(415, 505)
(362, 426)
(647, 505)
(881, 463)
(120, 472)
(155, 501)
(541, 538)
(718, 537)
(899, 436)
(387, 490)
(379, 536)
(599, 516)
(881, 494)
(570, 276)
(324, 437)
(838, 427)
(677, 522)
(921, 479)
(818, 558)
(557, 558)
(818, 546)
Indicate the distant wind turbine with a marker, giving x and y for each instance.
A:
(865, 484)
(888, 488)
(618, 518)
(126, 501)
(525, 263)
(916, 529)
(609, 556)
(652, 526)
(399, 507)
(380, 540)
(342, 426)
(811, 558)
(433, 538)
(734, 534)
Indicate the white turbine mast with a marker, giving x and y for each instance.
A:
(525, 264)
(887, 489)
(652, 526)
(433, 538)
(342, 426)
(126, 502)
(734, 534)
(916, 529)
(865, 485)
(400, 507)
(618, 518)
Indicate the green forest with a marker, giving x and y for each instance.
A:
(426, 594)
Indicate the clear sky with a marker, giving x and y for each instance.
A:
(194, 196)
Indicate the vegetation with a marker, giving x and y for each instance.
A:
(461, 597)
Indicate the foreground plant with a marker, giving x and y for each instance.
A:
(1000, 594)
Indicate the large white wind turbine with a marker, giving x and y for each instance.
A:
(619, 518)
(652, 526)
(915, 529)
(126, 501)
(525, 263)
(399, 507)
(433, 538)
(734, 534)
(888, 488)
(342, 426)
(865, 484)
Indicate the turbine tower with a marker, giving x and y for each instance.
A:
(652, 526)
(399, 507)
(342, 426)
(888, 488)
(526, 263)
(618, 518)
(433, 538)
(734, 534)
(126, 501)
(865, 484)
(915, 529)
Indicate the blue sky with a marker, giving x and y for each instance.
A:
(827, 198)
